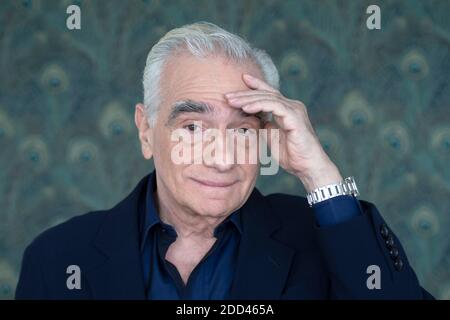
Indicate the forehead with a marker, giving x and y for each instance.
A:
(187, 77)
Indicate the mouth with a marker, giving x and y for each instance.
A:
(215, 184)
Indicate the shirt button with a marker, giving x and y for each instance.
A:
(384, 231)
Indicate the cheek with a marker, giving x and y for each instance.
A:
(162, 153)
(249, 174)
(162, 141)
(250, 171)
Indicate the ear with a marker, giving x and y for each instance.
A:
(145, 131)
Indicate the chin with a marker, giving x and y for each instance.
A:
(215, 207)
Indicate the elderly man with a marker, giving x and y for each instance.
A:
(199, 229)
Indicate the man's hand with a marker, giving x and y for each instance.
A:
(300, 153)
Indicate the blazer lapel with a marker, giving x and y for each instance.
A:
(263, 263)
(262, 266)
(119, 274)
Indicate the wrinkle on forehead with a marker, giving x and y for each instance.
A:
(201, 107)
(185, 76)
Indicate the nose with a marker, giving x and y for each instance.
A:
(218, 150)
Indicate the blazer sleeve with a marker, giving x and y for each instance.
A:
(365, 260)
(31, 281)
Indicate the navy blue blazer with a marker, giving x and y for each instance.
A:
(283, 254)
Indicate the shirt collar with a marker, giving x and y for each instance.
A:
(150, 216)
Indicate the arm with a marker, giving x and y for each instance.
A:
(351, 249)
(351, 242)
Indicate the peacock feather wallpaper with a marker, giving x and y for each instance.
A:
(379, 100)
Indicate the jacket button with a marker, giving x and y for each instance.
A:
(384, 231)
(394, 252)
(398, 264)
(389, 242)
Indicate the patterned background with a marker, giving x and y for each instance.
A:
(379, 101)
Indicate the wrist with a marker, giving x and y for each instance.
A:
(321, 176)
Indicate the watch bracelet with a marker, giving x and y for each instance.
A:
(345, 187)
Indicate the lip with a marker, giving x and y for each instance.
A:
(215, 184)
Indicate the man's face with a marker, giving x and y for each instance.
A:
(216, 188)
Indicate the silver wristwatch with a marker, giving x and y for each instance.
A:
(346, 187)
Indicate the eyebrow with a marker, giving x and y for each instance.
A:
(185, 106)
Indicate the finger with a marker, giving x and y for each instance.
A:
(249, 99)
(269, 126)
(284, 116)
(243, 93)
(256, 83)
(277, 108)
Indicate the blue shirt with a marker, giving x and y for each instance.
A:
(212, 277)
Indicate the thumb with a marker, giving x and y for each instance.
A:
(270, 127)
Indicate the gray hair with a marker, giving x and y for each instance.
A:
(200, 39)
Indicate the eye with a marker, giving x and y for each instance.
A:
(193, 128)
(244, 131)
